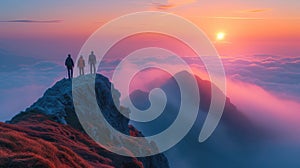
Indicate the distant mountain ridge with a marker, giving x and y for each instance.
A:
(231, 114)
(233, 138)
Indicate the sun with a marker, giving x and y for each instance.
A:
(220, 36)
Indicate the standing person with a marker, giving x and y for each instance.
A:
(92, 62)
(70, 65)
(81, 65)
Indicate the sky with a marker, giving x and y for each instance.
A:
(55, 28)
(260, 49)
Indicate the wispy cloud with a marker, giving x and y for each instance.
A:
(256, 10)
(160, 6)
(236, 18)
(171, 4)
(222, 42)
(30, 21)
(251, 18)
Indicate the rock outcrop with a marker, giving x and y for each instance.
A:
(57, 104)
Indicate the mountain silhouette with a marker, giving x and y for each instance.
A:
(231, 144)
(49, 134)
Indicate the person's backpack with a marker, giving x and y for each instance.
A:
(69, 62)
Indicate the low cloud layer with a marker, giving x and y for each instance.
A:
(24, 80)
(276, 74)
(280, 75)
(276, 114)
(265, 87)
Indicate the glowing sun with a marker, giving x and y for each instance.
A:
(220, 36)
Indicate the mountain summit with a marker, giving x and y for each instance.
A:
(49, 134)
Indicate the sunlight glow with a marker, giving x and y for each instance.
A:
(220, 36)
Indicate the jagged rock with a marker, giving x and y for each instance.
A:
(57, 103)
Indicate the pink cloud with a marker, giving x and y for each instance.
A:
(274, 113)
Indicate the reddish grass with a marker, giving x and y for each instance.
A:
(37, 141)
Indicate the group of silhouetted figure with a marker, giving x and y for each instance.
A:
(69, 63)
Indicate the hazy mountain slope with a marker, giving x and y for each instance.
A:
(232, 144)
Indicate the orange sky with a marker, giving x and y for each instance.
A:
(265, 24)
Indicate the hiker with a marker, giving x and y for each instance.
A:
(69, 64)
(81, 65)
(92, 62)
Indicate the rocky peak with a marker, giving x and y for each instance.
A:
(57, 103)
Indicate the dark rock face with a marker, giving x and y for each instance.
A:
(57, 105)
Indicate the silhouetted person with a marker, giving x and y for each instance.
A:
(92, 62)
(69, 64)
(81, 65)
